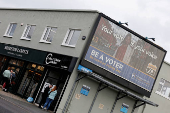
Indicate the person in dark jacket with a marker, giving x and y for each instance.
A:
(45, 95)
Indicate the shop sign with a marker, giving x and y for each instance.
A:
(80, 67)
(23, 53)
(58, 60)
(85, 90)
(124, 108)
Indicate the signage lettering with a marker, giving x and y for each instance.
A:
(51, 60)
(18, 50)
(105, 29)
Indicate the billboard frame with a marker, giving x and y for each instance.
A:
(109, 75)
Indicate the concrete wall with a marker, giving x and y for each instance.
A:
(105, 97)
(63, 20)
(158, 99)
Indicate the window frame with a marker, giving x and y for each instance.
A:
(24, 32)
(43, 35)
(67, 35)
(7, 35)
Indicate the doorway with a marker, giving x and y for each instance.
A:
(30, 80)
(55, 77)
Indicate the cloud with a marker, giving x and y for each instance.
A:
(146, 17)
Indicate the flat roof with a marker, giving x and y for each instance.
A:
(55, 10)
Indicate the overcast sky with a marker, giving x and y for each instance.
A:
(149, 18)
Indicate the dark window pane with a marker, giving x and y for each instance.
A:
(12, 29)
(30, 32)
(75, 37)
(50, 36)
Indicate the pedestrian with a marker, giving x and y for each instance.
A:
(45, 95)
(51, 97)
(6, 78)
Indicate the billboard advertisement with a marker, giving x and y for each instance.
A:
(124, 54)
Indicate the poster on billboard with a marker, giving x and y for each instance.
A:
(124, 54)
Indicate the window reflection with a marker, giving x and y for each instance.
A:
(16, 62)
(35, 67)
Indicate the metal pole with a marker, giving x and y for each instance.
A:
(134, 106)
(115, 102)
(68, 99)
(94, 99)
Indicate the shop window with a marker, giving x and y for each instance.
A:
(28, 32)
(16, 62)
(2, 61)
(10, 30)
(30, 80)
(48, 34)
(35, 67)
(164, 88)
(71, 37)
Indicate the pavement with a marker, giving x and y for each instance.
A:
(21, 103)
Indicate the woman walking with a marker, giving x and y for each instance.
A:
(51, 97)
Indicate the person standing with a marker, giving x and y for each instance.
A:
(45, 95)
(51, 97)
(7, 76)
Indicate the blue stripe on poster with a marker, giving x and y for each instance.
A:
(113, 65)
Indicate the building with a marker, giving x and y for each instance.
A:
(47, 46)
(160, 93)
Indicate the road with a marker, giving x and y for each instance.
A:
(9, 105)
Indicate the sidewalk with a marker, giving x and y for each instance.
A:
(22, 103)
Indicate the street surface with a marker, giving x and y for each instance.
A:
(10, 105)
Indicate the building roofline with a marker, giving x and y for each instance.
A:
(166, 62)
(55, 10)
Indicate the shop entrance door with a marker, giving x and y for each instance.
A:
(57, 78)
(30, 80)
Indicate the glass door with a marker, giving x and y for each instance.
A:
(30, 80)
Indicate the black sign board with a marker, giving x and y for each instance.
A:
(23, 53)
(60, 61)
(40, 57)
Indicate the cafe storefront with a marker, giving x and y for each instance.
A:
(35, 68)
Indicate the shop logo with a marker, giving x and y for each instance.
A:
(51, 60)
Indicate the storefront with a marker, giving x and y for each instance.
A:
(34, 70)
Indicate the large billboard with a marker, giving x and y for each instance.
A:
(124, 54)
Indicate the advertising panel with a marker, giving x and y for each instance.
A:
(124, 54)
